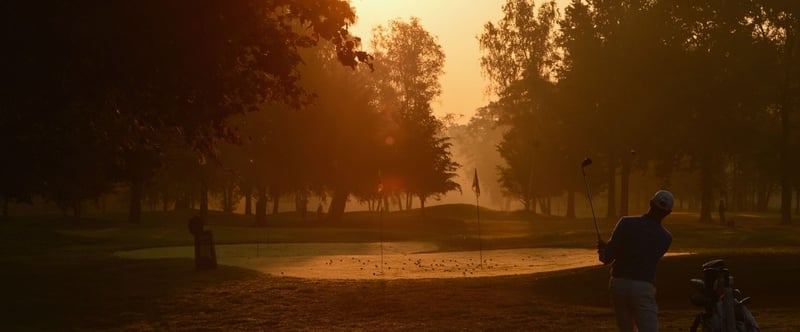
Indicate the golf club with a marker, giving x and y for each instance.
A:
(587, 162)
(724, 306)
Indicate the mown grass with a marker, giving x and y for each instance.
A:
(60, 274)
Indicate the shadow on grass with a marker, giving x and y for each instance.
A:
(97, 292)
(769, 278)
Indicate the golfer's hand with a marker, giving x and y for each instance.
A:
(601, 252)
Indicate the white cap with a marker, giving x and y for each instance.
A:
(663, 200)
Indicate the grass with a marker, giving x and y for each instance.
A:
(60, 275)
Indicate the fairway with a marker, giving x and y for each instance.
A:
(539, 274)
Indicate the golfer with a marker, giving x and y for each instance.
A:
(635, 248)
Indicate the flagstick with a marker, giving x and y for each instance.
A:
(380, 221)
(380, 213)
(258, 241)
(476, 187)
(480, 240)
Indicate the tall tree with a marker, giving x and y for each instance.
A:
(717, 78)
(519, 57)
(780, 25)
(408, 65)
(163, 66)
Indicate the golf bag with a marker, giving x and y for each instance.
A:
(724, 306)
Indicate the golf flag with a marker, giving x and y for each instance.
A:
(476, 186)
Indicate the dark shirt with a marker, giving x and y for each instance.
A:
(635, 247)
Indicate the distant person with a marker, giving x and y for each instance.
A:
(722, 212)
(320, 212)
(634, 250)
(301, 204)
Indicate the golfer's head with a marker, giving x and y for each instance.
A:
(662, 201)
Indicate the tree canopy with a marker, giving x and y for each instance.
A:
(106, 83)
(694, 87)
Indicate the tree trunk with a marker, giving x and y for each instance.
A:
(248, 200)
(165, 199)
(530, 200)
(786, 167)
(544, 205)
(5, 209)
(301, 204)
(261, 206)
(706, 188)
(570, 204)
(612, 182)
(76, 208)
(736, 197)
(624, 184)
(422, 205)
(276, 199)
(230, 205)
(152, 203)
(791, 53)
(338, 203)
(135, 208)
(762, 196)
(182, 202)
(203, 198)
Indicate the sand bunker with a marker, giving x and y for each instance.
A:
(401, 260)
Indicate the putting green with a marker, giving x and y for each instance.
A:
(400, 260)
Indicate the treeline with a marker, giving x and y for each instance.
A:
(704, 89)
(175, 102)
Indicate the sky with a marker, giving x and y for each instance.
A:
(456, 24)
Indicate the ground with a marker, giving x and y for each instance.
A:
(64, 275)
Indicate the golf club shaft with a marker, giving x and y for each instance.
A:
(591, 205)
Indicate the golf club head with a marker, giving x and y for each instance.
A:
(698, 284)
(586, 162)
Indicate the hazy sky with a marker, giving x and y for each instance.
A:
(456, 24)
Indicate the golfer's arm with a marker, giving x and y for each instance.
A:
(609, 254)
(612, 247)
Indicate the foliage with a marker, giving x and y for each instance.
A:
(408, 64)
(127, 75)
(692, 86)
(477, 142)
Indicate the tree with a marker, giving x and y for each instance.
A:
(163, 66)
(477, 142)
(330, 145)
(718, 79)
(519, 57)
(342, 134)
(408, 65)
(780, 25)
(519, 45)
